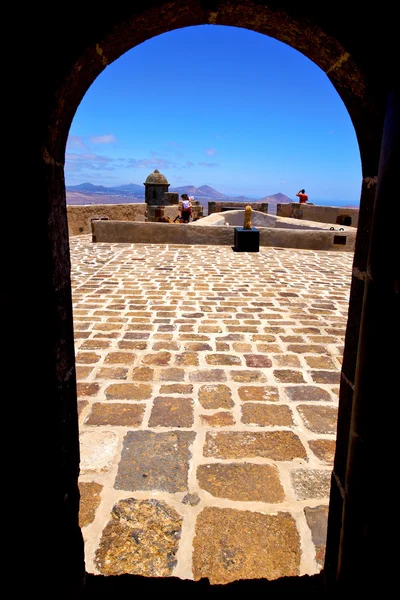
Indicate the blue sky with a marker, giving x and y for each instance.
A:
(218, 106)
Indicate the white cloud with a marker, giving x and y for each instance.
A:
(103, 139)
(75, 141)
(210, 151)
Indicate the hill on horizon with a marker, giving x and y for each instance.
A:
(78, 194)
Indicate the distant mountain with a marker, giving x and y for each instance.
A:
(132, 189)
(85, 193)
(205, 191)
(87, 187)
(276, 199)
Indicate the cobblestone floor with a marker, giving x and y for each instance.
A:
(208, 388)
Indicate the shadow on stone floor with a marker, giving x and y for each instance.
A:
(99, 586)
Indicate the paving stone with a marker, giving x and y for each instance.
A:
(148, 533)
(87, 389)
(95, 344)
(248, 376)
(242, 482)
(253, 393)
(222, 359)
(323, 449)
(176, 388)
(220, 419)
(197, 346)
(130, 415)
(90, 498)
(155, 461)
(112, 373)
(266, 415)
(288, 376)
(286, 360)
(128, 391)
(215, 396)
(132, 345)
(82, 404)
(208, 375)
(171, 412)
(120, 358)
(160, 358)
(277, 445)
(257, 360)
(320, 419)
(136, 336)
(134, 299)
(325, 376)
(222, 347)
(317, 520)
(311, 483)
(97, 450)
(166, 345)
(187, 359)
(269, 348)
(241, 347)
(320, 362)
(142, 374)
(83, 372)
(230, 545)
(173, 374)
(307, 393)
(87, 358)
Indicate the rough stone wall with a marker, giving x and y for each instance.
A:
(319, 214)
(218, 206)
(80, 216)
(157, 213)
(154, 194)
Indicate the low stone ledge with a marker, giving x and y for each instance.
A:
(211, 235)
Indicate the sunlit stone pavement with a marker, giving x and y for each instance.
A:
(208, 386)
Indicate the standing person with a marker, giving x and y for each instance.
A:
(186, 209)
(303, 196)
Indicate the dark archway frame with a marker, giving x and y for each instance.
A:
(71, 49)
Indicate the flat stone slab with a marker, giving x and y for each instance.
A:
(97, 450)
(155, 461)
(89, 501)
(171, 412)
(215, 396)
(307, 393)
(242, 482)
(320, 419)
(317, 520)
(130, 415)
(254, 393)
(277, 445)
(311, 483)
(141, 538)
(231, 544)
(323, 449)
(266, 415)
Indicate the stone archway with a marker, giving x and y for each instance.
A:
(67, 66)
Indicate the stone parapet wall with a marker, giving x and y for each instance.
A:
(155, 213)
(214, 207)
(320, 214)
(190, 234)
(80, 216)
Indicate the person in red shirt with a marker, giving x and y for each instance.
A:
(303, 196)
